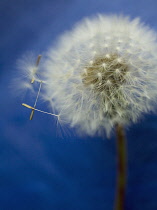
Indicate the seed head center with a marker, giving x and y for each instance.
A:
(105, 75)
(104, 72)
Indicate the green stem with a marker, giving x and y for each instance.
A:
(121, 168)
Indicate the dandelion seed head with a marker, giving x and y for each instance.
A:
(103, 72)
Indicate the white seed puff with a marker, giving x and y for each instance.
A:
(102, 72)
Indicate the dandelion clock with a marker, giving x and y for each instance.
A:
(100, 77)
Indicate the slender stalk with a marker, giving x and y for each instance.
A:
(121, 168)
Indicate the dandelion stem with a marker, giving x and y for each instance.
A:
(121, 168)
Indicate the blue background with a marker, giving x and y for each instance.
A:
(39, 169)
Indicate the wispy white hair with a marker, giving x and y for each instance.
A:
(134, 45)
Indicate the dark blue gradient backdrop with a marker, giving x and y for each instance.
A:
(39, 170)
